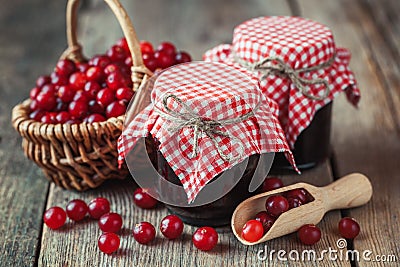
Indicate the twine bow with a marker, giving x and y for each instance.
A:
(278, 66)
(189, 118)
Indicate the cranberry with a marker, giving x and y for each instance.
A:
(168, 48)
(34, 93)
(36, 115)
(46, 101)
(66, 93)
(54, 217)
(111, 68)
(33, 105)
(94, 118)
(128, 61)
(164, 60)
(309, 234)
(144, 232)
(95, 74)
(91, 89)
(276, 205)
(81, 96)
(300, 194)
(110, 222)
(116, 80)
(124, 93)
(115, 109)
(108, 243)
(294, 202)
(65, 67)
(48, 119)
(77, 209)
(271, 184)
(100, 61)
(205, 238)
(82, 66)
(252, 231)
(42, 80)
(265, 219)
(143, 200)
(98, 207)
(171, 226)
(48, 89)
(61, 106)
(349, 228)
(105, 97)
(77, 80)
(95, 107)
(146, 47)
(78, 109)
(63, 117)
(150, 62)
(124, 44)
(182, 57)
(116, 53)
(58, 80)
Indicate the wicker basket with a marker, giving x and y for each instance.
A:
(80, 156)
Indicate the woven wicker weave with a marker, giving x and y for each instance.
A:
(80, 156)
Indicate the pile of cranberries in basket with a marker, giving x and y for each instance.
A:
(98, 89)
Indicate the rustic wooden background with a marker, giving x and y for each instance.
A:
(366, 140)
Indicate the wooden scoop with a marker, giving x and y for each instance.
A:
(350, 191)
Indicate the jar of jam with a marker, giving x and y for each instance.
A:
(299, 67)
(210, 136)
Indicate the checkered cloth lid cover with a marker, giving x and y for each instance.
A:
(211, 91)
(300, 43)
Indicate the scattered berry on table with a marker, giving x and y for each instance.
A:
(98, 207)
(108, 242)
(171, 226)
(110, 222)
(54, 217)
(77, 209)
(144, 232)
(142, 199)
(205, 238)
(349, 228)
(309, 234)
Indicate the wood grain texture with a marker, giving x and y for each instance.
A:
(76, 243)
(367, 139)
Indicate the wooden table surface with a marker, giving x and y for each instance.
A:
(364, 140)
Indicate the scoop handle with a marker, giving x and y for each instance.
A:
(350, 191)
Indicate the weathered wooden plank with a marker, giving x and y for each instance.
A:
(194, 26)
(366, 140)
(29, 47)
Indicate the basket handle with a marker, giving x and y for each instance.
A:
(74, 50)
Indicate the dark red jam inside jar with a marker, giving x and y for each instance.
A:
(312, 146)
(219, 212)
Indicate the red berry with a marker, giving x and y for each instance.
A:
(168, 48)
(115, 109)
(205, 238)
(95, 107)
(182, 57)
(150, 62)
(124, 93)
(143, 200)
(58, 80)
(124, 44)
(116, 53)
(48, 119)
(81, 96)
(66, 93)
(77, 209)
(271, 184)
(98, 207)
(100, 61)
(105, 97)
(46, 101)
(309, 234)
(33, 105)
(91, 89)
(63, 117)
(48, 89)
(94, 118)
(82, 66)
(54, 217)
(78, 109)
(294, 202)
(252, 231)
(111, 68)
(108, 243)
(95, 74)
(77, 80)
(144, 232)
(36, 115)
(300, 194)
(276, 205)
(171, 226)
(128, 61)
(116, 80)
(110, 222)
(65, 67)
(265, 219)
(42, 80)
(146, 47)
(349, 228)
(164, 60)
(34, 93)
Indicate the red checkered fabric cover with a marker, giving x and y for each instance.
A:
(300, 43)
(212, 92)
